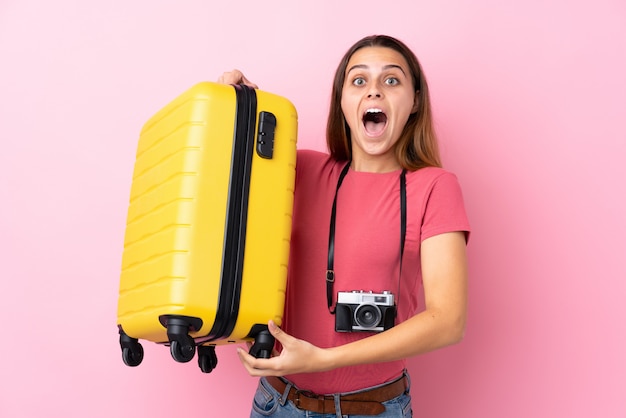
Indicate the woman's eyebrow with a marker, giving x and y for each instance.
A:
(357, 66)
(390, 66)
(385, 67)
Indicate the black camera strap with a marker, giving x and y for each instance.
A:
(330, 272)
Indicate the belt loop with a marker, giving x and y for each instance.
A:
(337, 399)
(408, 381)
(285, 396)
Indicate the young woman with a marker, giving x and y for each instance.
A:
(379, 215)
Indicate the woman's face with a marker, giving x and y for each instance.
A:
(377, 98)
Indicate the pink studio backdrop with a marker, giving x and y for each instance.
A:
(529, 101)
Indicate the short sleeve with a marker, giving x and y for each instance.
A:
(445, 208)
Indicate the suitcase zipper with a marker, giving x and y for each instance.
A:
(236, 214)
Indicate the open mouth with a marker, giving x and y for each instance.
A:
(374, 121)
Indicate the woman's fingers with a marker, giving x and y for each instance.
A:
(235, 77)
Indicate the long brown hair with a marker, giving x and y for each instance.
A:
(417, 146)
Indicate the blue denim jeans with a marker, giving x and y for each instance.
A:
(268, 403)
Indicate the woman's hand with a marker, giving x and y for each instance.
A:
(235, 77)
(297, 356)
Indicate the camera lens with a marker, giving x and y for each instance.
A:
(367, 316)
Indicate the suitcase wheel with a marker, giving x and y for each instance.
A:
(263, 345)
(207, 359)
(182, 346)
(132, 351)
(132, 358)
(183, 349)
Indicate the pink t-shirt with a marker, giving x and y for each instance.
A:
(367, 253)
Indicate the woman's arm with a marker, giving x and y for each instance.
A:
(444, 274)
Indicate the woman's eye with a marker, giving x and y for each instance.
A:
(359, 81)
(391, 81)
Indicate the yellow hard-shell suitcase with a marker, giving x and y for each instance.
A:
(209, 224)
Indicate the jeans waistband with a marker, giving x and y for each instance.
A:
(365, 402)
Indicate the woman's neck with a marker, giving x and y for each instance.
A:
(375, 164)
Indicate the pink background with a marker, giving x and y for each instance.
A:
(529, 100)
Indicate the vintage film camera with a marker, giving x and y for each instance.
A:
(364, 311)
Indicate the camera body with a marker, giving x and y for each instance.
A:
(364, 311)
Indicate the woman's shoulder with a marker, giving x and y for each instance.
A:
(428, 179)
(431, 174)
(308, 156)
(314, 162)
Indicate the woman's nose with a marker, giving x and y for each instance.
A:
(374, 90)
